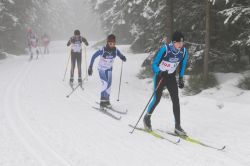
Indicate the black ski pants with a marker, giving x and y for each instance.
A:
(76, 57)
(168, 81)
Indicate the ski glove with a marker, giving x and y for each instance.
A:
(181, 83)
(123, 58)
(90, 71)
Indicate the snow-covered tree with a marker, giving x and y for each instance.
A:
(237, 21)
(15, 17)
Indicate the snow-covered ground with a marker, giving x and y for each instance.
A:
(39, 126)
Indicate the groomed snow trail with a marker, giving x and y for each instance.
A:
(40, 126)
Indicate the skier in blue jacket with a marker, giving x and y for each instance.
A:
(107, 55)
(169, 57)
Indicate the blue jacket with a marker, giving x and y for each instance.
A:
(107, 57)
(168, 58)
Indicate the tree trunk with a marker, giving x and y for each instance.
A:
(207, 41)
(169, 20)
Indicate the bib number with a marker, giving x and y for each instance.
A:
(33, 42)
(105, 63)
(77, 47)
(168, 66)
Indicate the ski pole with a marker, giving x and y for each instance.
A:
(73, 91)
(86, 71)
(146, 106)
(66, 66)
(75, 88)
(120, 83)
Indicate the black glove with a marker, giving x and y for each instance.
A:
(163, 73)
(181, 83)
(90, 71)
(123, 58)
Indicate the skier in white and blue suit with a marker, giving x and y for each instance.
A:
(107, 55)
(168, 58)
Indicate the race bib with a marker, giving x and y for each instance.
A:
(76, 47)
(105, 63)
(33, 42)
(168, 66)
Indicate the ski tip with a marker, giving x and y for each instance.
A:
(224, 147)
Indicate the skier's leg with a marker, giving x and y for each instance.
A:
(154, 102)
(109, 78)
(79, 63)
(31, 53)
(104, 79)
(37, 53)
(173, 91)
(73, 62)
(157, 95)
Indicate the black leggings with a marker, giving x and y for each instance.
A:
(168, 81)
(76, 57)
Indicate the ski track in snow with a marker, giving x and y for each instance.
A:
(48, 129)
(33, 143)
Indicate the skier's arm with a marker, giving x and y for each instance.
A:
(85, 41)
(158, 59)
(28, 41)
(69, 42)
(184, 63)
(121, 56)
(96, 54)
(37, 38)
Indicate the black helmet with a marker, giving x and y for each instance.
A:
(177, 37)
(111, 38)
(76, 32)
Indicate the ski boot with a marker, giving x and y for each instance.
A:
(147, 123)
(179, 131)
(102, 105)
(31, 57)
(71, 80)
(80, 82)
(108, 105)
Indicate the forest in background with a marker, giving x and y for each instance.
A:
(217, 33)
(58, 18)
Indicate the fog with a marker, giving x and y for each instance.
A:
(78, 15)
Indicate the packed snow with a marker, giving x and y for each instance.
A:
(39, 126)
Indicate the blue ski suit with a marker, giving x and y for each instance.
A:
(107, 56)
(168, 59)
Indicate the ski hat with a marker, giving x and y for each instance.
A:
(111, 38)
(177, 37)
(77, 32)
